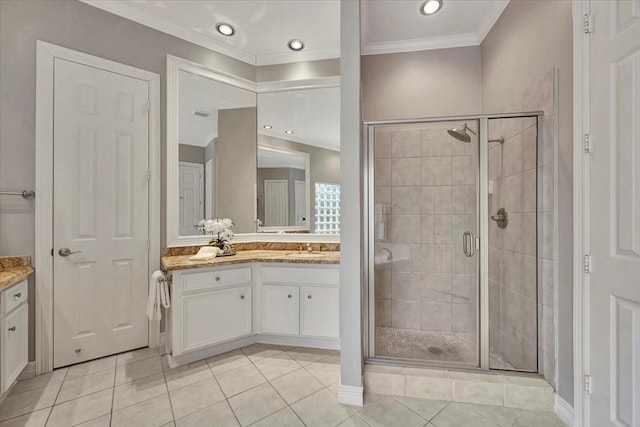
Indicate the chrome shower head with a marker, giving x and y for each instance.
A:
(461, 134)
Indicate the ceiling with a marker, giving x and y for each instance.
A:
(398, 26)
(263, 28)
(279, 159)
(312, 114)
(199, 93)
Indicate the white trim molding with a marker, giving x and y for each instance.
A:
(312, 83)
(46, 54)
(350, 395)
(563, 410)
(580, 212)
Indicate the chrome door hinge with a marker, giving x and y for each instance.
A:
(587, 263)
(587, 143)
(587, 384)
(148, 174)
(588, 23)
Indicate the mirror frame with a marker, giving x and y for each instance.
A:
(174, 66)
(307, 183)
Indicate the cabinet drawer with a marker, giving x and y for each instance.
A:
(329, 276)
(14, 332)
(215, 279)
(13, 297)
(280, 309)
(215, 316)
(320, 311)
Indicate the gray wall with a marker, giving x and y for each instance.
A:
(236, 167)
(191, 154)
(86, 29)
(429, 83)
(526, 42)
(324, 165)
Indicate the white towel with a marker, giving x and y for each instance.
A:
(158, 295)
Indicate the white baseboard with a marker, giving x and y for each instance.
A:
(350, 395)
(564, 411)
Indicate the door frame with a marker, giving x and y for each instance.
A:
(200, 167)
(581, 235)
(46, 54)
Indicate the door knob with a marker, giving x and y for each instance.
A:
(65, 252)
(12, 329)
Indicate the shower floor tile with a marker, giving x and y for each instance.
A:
(437, 346)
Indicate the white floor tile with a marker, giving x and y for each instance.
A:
(152, 413)
(81, 386)
(220, 414)
(380, 411)
(194, 397)
(283, 418)
(239, 380)
(327, 371)
(296, 385)
(187, 374)
(40, 381)
(305, 356)
(255, 404)
(228, 362)
(257, 352)
(28, 401)
(33, 419)
(136, 355)
(322, 409)
(137, 391)
(81, 410)
(91, 367)
(103, 421)
(277, 366)
(136, 370)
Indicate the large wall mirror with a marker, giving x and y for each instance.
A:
(266, 156)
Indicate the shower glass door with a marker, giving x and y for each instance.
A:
(423, 225)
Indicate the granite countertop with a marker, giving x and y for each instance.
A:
(14, 269)
(182, 262)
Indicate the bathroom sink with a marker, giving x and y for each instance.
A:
(305, 254)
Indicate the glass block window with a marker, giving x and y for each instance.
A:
(327, 208)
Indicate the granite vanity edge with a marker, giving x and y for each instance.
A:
(182, 262)
(13, 275)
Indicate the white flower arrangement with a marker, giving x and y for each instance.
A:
(222, 229)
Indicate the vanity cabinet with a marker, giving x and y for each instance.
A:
(301, 301)
(14, 334)
(210, 307)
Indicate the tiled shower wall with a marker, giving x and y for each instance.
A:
(425, 199)
(540, 97)
(512, 250)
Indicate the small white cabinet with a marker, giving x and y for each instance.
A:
(280, 306)
(14, 334)
(320, 311)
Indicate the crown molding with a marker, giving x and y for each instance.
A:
(301, 56)
(492, 17)
(312, 83)
(121, 9)
(413, 45)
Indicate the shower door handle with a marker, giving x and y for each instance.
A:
(468, 244)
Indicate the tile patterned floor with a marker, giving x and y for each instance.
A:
(259, 385)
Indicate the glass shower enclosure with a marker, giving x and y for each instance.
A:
(452, 241)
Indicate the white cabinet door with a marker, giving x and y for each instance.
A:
(212, 317)
(280, 309)
(320, 311)
(13, 342)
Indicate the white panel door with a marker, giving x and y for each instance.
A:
(276, 202)
(614, 225)
(320, 311)
(191, 190)
(209, 189)
(280, 308)
(101, 211)
(301, 203)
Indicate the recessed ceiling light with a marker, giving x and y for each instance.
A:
(429, 7)
(288, 132)
(225, 29)
(267, 126)
(295, 44)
